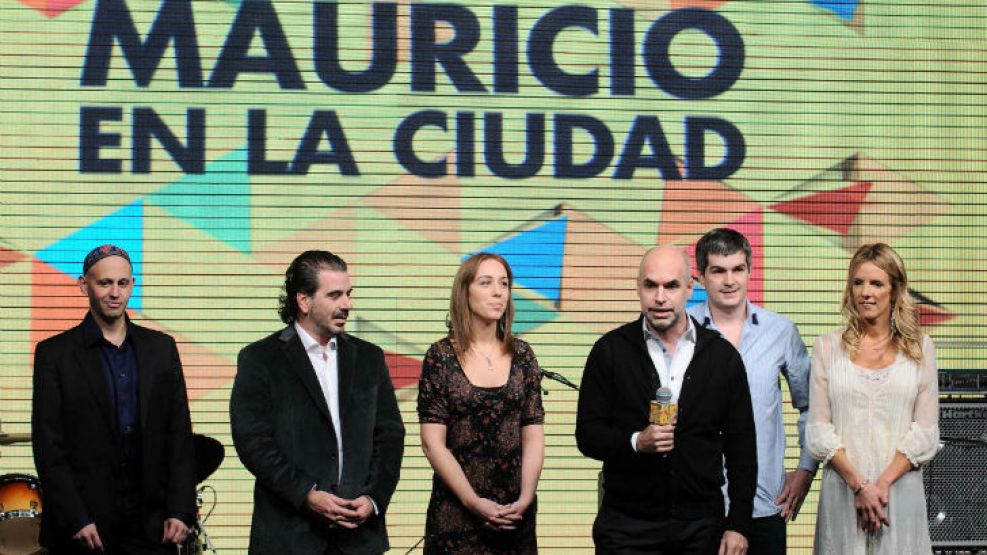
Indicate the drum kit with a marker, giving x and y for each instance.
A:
(20, 508)
(20, 502)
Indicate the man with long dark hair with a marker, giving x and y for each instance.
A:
(315, 419)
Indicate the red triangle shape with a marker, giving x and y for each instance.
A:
(930, 315)
(835, 210)
(404, 370)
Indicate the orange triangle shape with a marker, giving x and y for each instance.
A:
(704, 4)
(428, 206)
(204, 370)
(10, 256)
(336, 234)
(835, 210)
(598, 291)
(691, 208)
(56, 302)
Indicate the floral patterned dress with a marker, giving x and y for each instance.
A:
(483, 431)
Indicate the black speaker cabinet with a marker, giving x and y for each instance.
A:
(956, 479)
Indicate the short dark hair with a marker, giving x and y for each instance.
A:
(721, 241)
(302, 276)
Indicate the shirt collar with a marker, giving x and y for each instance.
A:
(752, 312)
(93, 335)
(689, 335)
(309, 343)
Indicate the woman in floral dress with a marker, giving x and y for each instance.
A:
(479, 404)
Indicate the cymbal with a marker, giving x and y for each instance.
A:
(8, 439)
(209, 453)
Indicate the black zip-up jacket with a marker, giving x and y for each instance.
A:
(715, 425)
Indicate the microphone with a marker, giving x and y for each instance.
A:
(663, 410)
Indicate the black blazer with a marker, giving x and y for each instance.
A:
(284, 435)
(74, 433)
(715, 425)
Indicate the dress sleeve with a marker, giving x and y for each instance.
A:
(920, 443)
(433, 398)
(821, 439)
(532, 412)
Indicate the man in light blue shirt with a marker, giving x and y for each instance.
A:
(770, 345)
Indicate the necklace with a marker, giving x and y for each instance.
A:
(490, 366)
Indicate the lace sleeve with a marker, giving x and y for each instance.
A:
(921, 441)
(821, 438)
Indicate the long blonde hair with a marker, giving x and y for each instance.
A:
(460, 324)
(906, 331)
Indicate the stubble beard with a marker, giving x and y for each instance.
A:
(664, 325)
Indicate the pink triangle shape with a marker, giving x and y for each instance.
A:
(751, 225)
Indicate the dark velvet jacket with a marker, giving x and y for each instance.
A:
(283, 433)
(715, 425)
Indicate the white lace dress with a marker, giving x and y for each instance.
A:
(872, 414)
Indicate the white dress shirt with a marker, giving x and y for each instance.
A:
(326, 364)
(670, 369)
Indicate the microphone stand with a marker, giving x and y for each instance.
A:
(956, 440)
(556, 377)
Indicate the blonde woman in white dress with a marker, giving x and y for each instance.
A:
(874, 415)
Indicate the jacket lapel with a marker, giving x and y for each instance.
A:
(346, 358)
(145, 371)
(299, 362)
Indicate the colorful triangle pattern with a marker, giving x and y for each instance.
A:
(844, 9)
(217, 201)
(529, 314)
(535, 256)
(123, 228)
(835, 210)
(51, 8)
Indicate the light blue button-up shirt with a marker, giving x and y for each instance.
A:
(770, 345)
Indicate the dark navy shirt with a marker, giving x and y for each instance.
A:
(120, 368)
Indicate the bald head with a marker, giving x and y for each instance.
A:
(666, 255)
(664, 285)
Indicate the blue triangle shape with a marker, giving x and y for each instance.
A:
(123, 228)
(529, 314)
(698, 295)
(842, 8)
(217, 201)
(535, 256)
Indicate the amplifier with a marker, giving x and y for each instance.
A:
(956, 479)
(963, 381)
